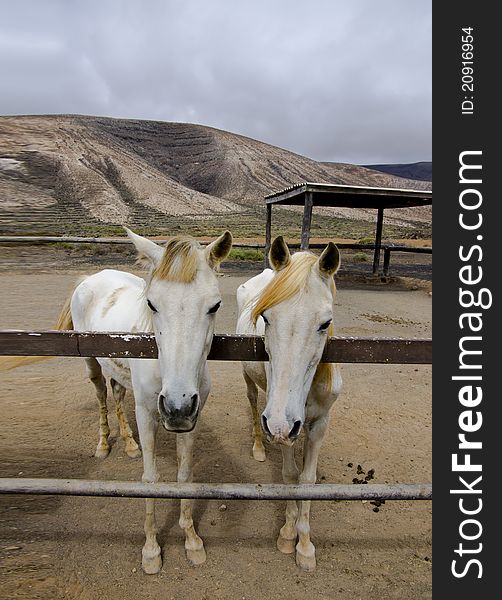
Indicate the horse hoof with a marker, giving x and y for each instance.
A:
(133, 452)
(259, 453)
(286, 546)
(305, 562)
(101, 452)
(151, 563)
(196, 557)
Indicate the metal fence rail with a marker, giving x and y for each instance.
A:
(216, 491)
(392, 248)
(51, 239)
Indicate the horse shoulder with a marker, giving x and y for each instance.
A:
(104, 282)
(108, 301)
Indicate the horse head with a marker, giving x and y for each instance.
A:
(181, 299)
(297, 309)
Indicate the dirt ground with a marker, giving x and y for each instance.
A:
(90, 548)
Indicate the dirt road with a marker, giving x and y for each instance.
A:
(89, 549)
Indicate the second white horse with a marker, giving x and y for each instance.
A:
(292, 306)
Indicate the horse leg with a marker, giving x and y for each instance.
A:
(287, 536)
(305, 550)
(193, 544)
(147, 428)
(252, 394)
(131, 447)
(96, 376)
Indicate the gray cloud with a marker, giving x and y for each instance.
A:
(332, 80)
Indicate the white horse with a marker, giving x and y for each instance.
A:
(178, 302)
(292, 306)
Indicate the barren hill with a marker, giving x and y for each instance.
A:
(76, 174)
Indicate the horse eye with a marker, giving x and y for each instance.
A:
(325, 326)
(151, 306)
(214, 309)
(265, 319)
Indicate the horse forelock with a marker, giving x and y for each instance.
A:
(287, 283)
(180, 260)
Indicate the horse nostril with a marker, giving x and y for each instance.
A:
(164, 410)
(195, 404)
(295, 431)
(264, 425)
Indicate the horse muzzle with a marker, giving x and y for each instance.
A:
(180, 418)
(281, 433)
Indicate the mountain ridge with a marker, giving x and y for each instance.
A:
(421, 171)
(66, 171)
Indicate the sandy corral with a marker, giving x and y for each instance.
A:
(89, 548)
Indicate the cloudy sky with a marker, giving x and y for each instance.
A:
(335, 80)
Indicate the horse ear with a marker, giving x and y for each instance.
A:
(148, 252)
(329, 261)
(279, 255)
(218, 250)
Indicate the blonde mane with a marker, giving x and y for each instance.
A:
(287, 283)
(180, 260)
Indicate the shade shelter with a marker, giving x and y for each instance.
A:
(345, 196)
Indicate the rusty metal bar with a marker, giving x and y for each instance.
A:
(216, 491)
(388, 249)
(224, 347)
(50, 239)
(417, 250)
(46, 239)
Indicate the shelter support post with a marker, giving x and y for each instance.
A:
(378, 241)
(268, 233)
(307, 220)
(386, 261)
